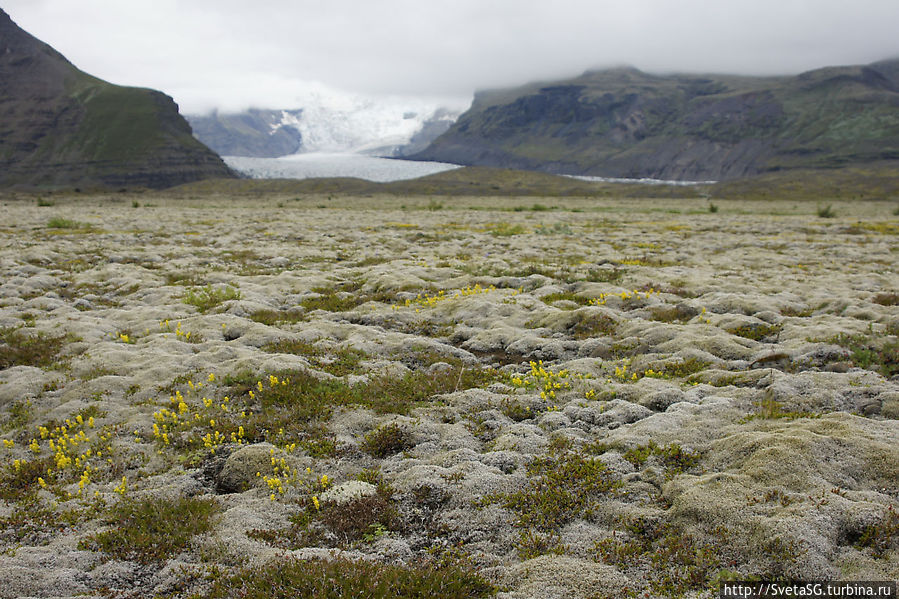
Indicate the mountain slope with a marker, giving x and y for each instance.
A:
(60, 126)
(255, 132)
(626, 123)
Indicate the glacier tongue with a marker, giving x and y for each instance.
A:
(362, 124)
(324, 120)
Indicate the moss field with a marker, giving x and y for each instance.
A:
(280, 395)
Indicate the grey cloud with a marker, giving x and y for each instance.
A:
(233, 52)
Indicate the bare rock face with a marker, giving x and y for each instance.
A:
(63, 127)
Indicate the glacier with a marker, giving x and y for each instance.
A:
(357, 124)
(325, 120)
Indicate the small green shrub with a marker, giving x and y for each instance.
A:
(826, 212)
(387, 440)
(153, 530)
(871, 351)
(345, 579)
(567, 296)
(208, 297)
(340, 362)
(685, 368)
(344, 298)
(58, 222)
(674, 458)
(881, 537)
(594, 325)
(756, 332)
(676, 562)
(886, 299)
(273, 317)
(506, 230)
(561, 486)
(22, 481)
(515, 410)
(554, 229)
(20, 349)
(604, 275)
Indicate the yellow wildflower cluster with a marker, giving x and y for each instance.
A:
(544, 379)
(426, 300)
(188, 415)
(124, 338)
(623, 375)
(8, 444)
(70, 448)
(180, 334)
(283, 476)
(624, 295)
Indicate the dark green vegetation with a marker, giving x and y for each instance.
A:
(343, 579)
(58, 222)
(882, 536)
(562, 485)
(208, 297)
(625, 123)
(293, 407)
(18, 348)
(339, 362)
(153, 530)
(387, 440)
(62, 127)
(871, 351)
(343, 524)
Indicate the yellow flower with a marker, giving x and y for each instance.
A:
(315, 502)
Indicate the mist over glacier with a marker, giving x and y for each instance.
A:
(325, 120)
(359, 124)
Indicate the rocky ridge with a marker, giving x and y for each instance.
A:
(623, 122)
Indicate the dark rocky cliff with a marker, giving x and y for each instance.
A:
(60, 126)
(626, 123)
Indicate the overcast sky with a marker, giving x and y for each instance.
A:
(269, 53)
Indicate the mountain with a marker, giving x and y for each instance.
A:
(255, 132)
(626, 123)
(60, 126)
(328, 121)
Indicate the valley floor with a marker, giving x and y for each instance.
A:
(474, 396)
